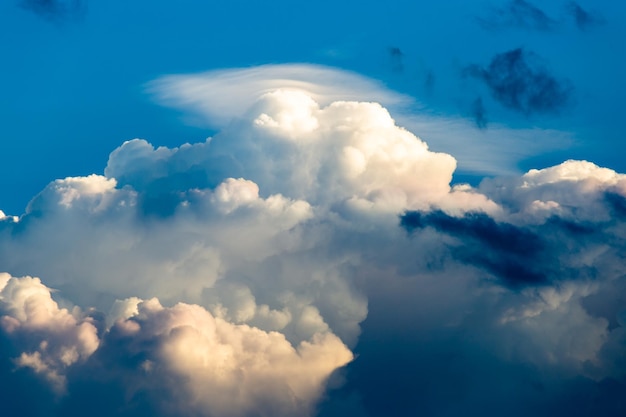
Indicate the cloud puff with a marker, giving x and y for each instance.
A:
(227, 369)
(519, 81)
(53, 338)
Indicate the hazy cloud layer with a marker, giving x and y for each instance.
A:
(308, 251)
(518, 80)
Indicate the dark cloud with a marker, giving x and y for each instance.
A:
(518, 80)
(501, 248)
(520, 14)
(518, 256)
(617, 203)
(397, 59)
(429, 370)
(584, 19)
(479, 113)
(55, 9)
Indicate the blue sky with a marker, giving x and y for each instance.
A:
(73, 85)
(323, 208)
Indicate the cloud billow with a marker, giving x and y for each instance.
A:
(252, 273)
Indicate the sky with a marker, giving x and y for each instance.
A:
(324, 209)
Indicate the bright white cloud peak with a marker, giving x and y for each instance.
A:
(220, 96)
(235, 273)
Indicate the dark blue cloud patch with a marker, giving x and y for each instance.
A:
(429, 370)
(477, 226)
(479, 113)
(617, 204)
(518, 256)
(517, 14)
(22, 393)
(512, 254)
(584, 19)
(519, 81)
(55, 9)
(397, 59)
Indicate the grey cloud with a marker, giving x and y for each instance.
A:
(518, 80)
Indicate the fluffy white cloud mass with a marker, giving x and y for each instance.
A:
(232, 277)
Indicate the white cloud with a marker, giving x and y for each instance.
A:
(236, 272)
(218, 97)
(230, 369)
(223, 95)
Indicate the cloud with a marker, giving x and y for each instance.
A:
(268, 271)
(511, 248)
(520, 14)
(55, 9)
(182, 342)
(216, 97)
(584, 20)
(519, 81)
(54, 337)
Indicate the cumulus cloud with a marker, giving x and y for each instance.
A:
(54, 338)
(228, 369)
(519, 81)
(315, 244)
(215, 98)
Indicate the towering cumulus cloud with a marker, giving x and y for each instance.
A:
(233, 277)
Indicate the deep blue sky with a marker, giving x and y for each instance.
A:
(72, 82)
